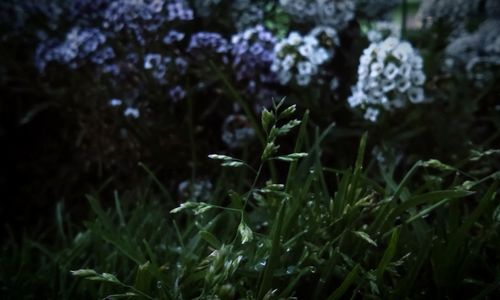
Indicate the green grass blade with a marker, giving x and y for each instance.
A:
(348, 281)
(388, 254)
(274, 257)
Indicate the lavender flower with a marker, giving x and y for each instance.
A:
(177, 93)
(208, 41)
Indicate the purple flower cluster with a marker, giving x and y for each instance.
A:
(212, 41)
(78, 45)
(253, 53)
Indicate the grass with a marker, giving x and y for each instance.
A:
(319, 233)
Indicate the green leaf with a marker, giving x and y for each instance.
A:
(267, 118)
(292, 157)
(436, 164)
(288, 112)
(84, 273)
(221, 157)
(245, 232)
(288, 126)
(233, 164)
(348, 281)
(389, 253)
(364, 236)
(211, 239)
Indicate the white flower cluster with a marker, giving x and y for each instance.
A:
(389, 75)
(335, 13)
(477, 52)
(300, 57)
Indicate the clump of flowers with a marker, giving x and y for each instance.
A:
(389, 76)
(478, 53)
(237, 131)
(253, 53)
(79, 45)
(247, 13)
(334, 13)
(299, 58)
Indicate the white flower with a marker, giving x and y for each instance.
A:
(416, 95)
(391, 70)
(131, 112)
(418, 78)
(376, 69)
(288, 62)
(115, 102)
(294, 38)
(306, 50)
(303, 79)
(305, 68)
(372, 114)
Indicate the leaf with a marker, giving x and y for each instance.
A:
(288, 126)
(266, 119)
(348, 281)
(233, 164)
(211, 239)
(245, 232)
(292, 157)
(84, 273)
(389, 253)
(364, 236)
(288, 112)
(436, 164)
(184, 206)
(221, 157)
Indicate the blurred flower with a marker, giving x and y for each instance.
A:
(252, 54)
(389, 75)
(237, 131)
(131, 112)
(115, 102)
(301, 57)
(334, 13)
(478, 53)
(198, 190)
(208, 41)
(177, 93)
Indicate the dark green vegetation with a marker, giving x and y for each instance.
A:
(320, 233)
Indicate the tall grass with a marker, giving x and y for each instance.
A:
(319, 233)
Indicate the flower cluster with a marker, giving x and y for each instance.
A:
(201, 42)
(477, 52)
(237, 131)
(247, 13)
(335, 13)
(80, 44)
(389, 75)
(253, 53)
(300, 57)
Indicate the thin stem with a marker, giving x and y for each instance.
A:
(253, 186)
(404, 14)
